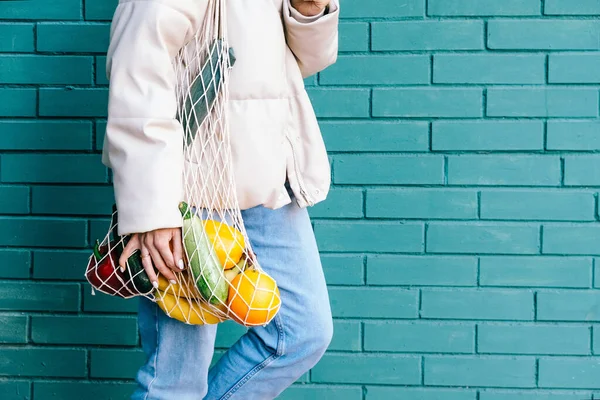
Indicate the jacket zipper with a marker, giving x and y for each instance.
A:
(303, 191)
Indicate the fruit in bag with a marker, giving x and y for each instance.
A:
(184, 310)
(227, 241)
(253, 297)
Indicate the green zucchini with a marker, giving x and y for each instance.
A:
(204, 264)
(138, 275)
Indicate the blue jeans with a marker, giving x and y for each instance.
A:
(266, 360)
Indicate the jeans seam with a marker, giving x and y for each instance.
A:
(155, 356)
(279, 351)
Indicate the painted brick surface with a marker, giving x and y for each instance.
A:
(460, 240)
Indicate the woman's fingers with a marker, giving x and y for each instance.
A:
(177, 248)
(163, 245)
(148, 266)
(132, 246)
(158, 261)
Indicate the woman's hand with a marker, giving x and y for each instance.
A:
(309, 8)
(161, 247)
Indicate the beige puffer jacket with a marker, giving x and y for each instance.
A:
(274, 131)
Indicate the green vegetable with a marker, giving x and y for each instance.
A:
(204, 264)
(136, 274)
(203, 92)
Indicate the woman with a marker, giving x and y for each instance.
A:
(280, 165)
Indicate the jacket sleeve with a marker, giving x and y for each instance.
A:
(144, 141)
(315, 44)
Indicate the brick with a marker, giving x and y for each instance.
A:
(15, 38)
(569, 272)
(543, 34)
(596, 339)
(19, 102)
(369, 236)
(568, 305)
(567, 7)
(73, 37)
(101, 78)
(341, 203)
(343, 269)
(339, 103)
(14, 390)
(310, 392)
(60, 264)
(573, 135)
(14, 199)
(13, 329)
(574, 68)
(101, 10)
(504, 170)
(581, 170)
(533, 339)
(75, 330)
(14, 264)
(530, 395)
(571, 239)
(388, 169)
(228, 333)
(427, 102)
(390, 369)
(373, 302)
(100, 131)
(72, 200)
(381, 136)
(536, 102)
(480, 371)
(427, 35)
(353, 36)
(41, 9)
(538, 205)
(418, 270)
(45, 135)
(52, 168)
(483, 238)
(98, 229)
(30, 69)
(565, 372)
(38, 362)
(418, 337)
(489, 69)
(487, 304)
(46, 232)
(346, 336)
(378, 70)
(405, 393)
(18, 296)
(88, 102)
(383, 9)
(472, 8)
(597, 274)
(83, 390)
(103, 303)
(487, 135)
(115, 364)
(422, 203)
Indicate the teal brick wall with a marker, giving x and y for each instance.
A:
(460, 241)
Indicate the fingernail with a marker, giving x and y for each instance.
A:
(155, 284)
(180, 264)
(173, 281)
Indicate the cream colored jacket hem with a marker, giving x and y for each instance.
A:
(274, 131)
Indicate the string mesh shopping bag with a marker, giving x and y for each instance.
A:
(222, 279)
